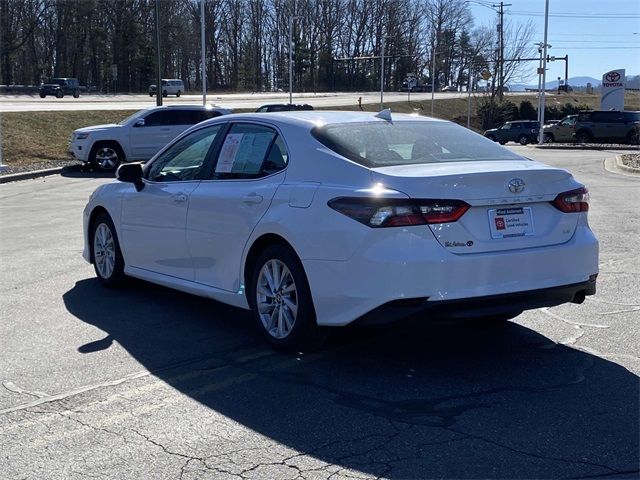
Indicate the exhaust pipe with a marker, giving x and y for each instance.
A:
(579, 297)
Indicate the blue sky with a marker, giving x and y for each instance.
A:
(598, 35)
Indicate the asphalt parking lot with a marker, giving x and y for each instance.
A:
(149, 383)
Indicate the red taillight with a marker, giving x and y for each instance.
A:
(391, 212)
(572, 201)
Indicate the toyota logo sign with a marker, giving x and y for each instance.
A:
(612, 77)
(515, 185)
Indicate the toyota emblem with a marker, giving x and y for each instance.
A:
(612, 77)
(516, 185)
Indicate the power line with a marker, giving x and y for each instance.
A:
(601, 48)
(594, 41)
(571, 15)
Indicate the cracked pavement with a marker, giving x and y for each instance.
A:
(149, 383)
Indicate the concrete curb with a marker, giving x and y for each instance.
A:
(14, 177)
(626, 168)
(550, 146)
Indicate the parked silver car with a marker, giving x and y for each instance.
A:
(562, 131)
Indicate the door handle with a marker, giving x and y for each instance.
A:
(179, 198)
(252, 198)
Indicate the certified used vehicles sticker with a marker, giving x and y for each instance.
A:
(511, 222)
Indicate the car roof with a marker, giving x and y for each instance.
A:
(312, 118)
(185, 107)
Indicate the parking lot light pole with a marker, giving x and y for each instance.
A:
(384, 39)
(291, 19)
(158, 76)
(2, 166)
(202, 51)
(434, 46)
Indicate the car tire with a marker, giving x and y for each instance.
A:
(152, 94)
(523, 139)
(633, 137)
(76, 94)
(164, 93)
(106, 156)
(548, 138)
(283, 307)
(178, 93)
(59, 94)
(106, 255)
(583, 137)
(502, 142)
(492, 138)
(42, 95)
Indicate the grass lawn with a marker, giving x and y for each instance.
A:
(36, 136)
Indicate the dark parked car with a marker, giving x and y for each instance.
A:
(608, 126)
(283, 107)
(59, 87)
(521, 131)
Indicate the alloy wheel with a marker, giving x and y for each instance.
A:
(277, 299)
(104, 251)
(106, 158)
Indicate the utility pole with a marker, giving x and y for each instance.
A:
(501, 47)
(544, 71)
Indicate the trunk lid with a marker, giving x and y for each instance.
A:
(500, 218)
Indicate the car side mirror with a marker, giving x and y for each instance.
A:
(139, 123)
(131, 173)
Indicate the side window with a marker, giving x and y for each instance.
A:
(185, 158)
(157, 119)
(516, 125)
(184, 117)
(250, 151)
(506, 126)
(584, 117)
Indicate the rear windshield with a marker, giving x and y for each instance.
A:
(383, 144)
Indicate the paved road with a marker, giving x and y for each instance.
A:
(149, 383)
(28, 103)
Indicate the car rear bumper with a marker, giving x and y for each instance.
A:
(508, 303)
(413, 268)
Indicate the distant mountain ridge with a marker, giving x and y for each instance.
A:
(633, 81)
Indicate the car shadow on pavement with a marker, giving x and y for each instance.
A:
(419, 400)
(84, 171)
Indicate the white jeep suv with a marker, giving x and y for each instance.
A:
(138, 137)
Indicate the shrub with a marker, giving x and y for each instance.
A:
(492, 113)
(527, 111)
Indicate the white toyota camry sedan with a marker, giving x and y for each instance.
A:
(313, 219)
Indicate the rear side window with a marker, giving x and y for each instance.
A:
(250, 151)
(381, 144)
(632, 116)
(607, 117)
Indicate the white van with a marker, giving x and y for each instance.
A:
(170, 86)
